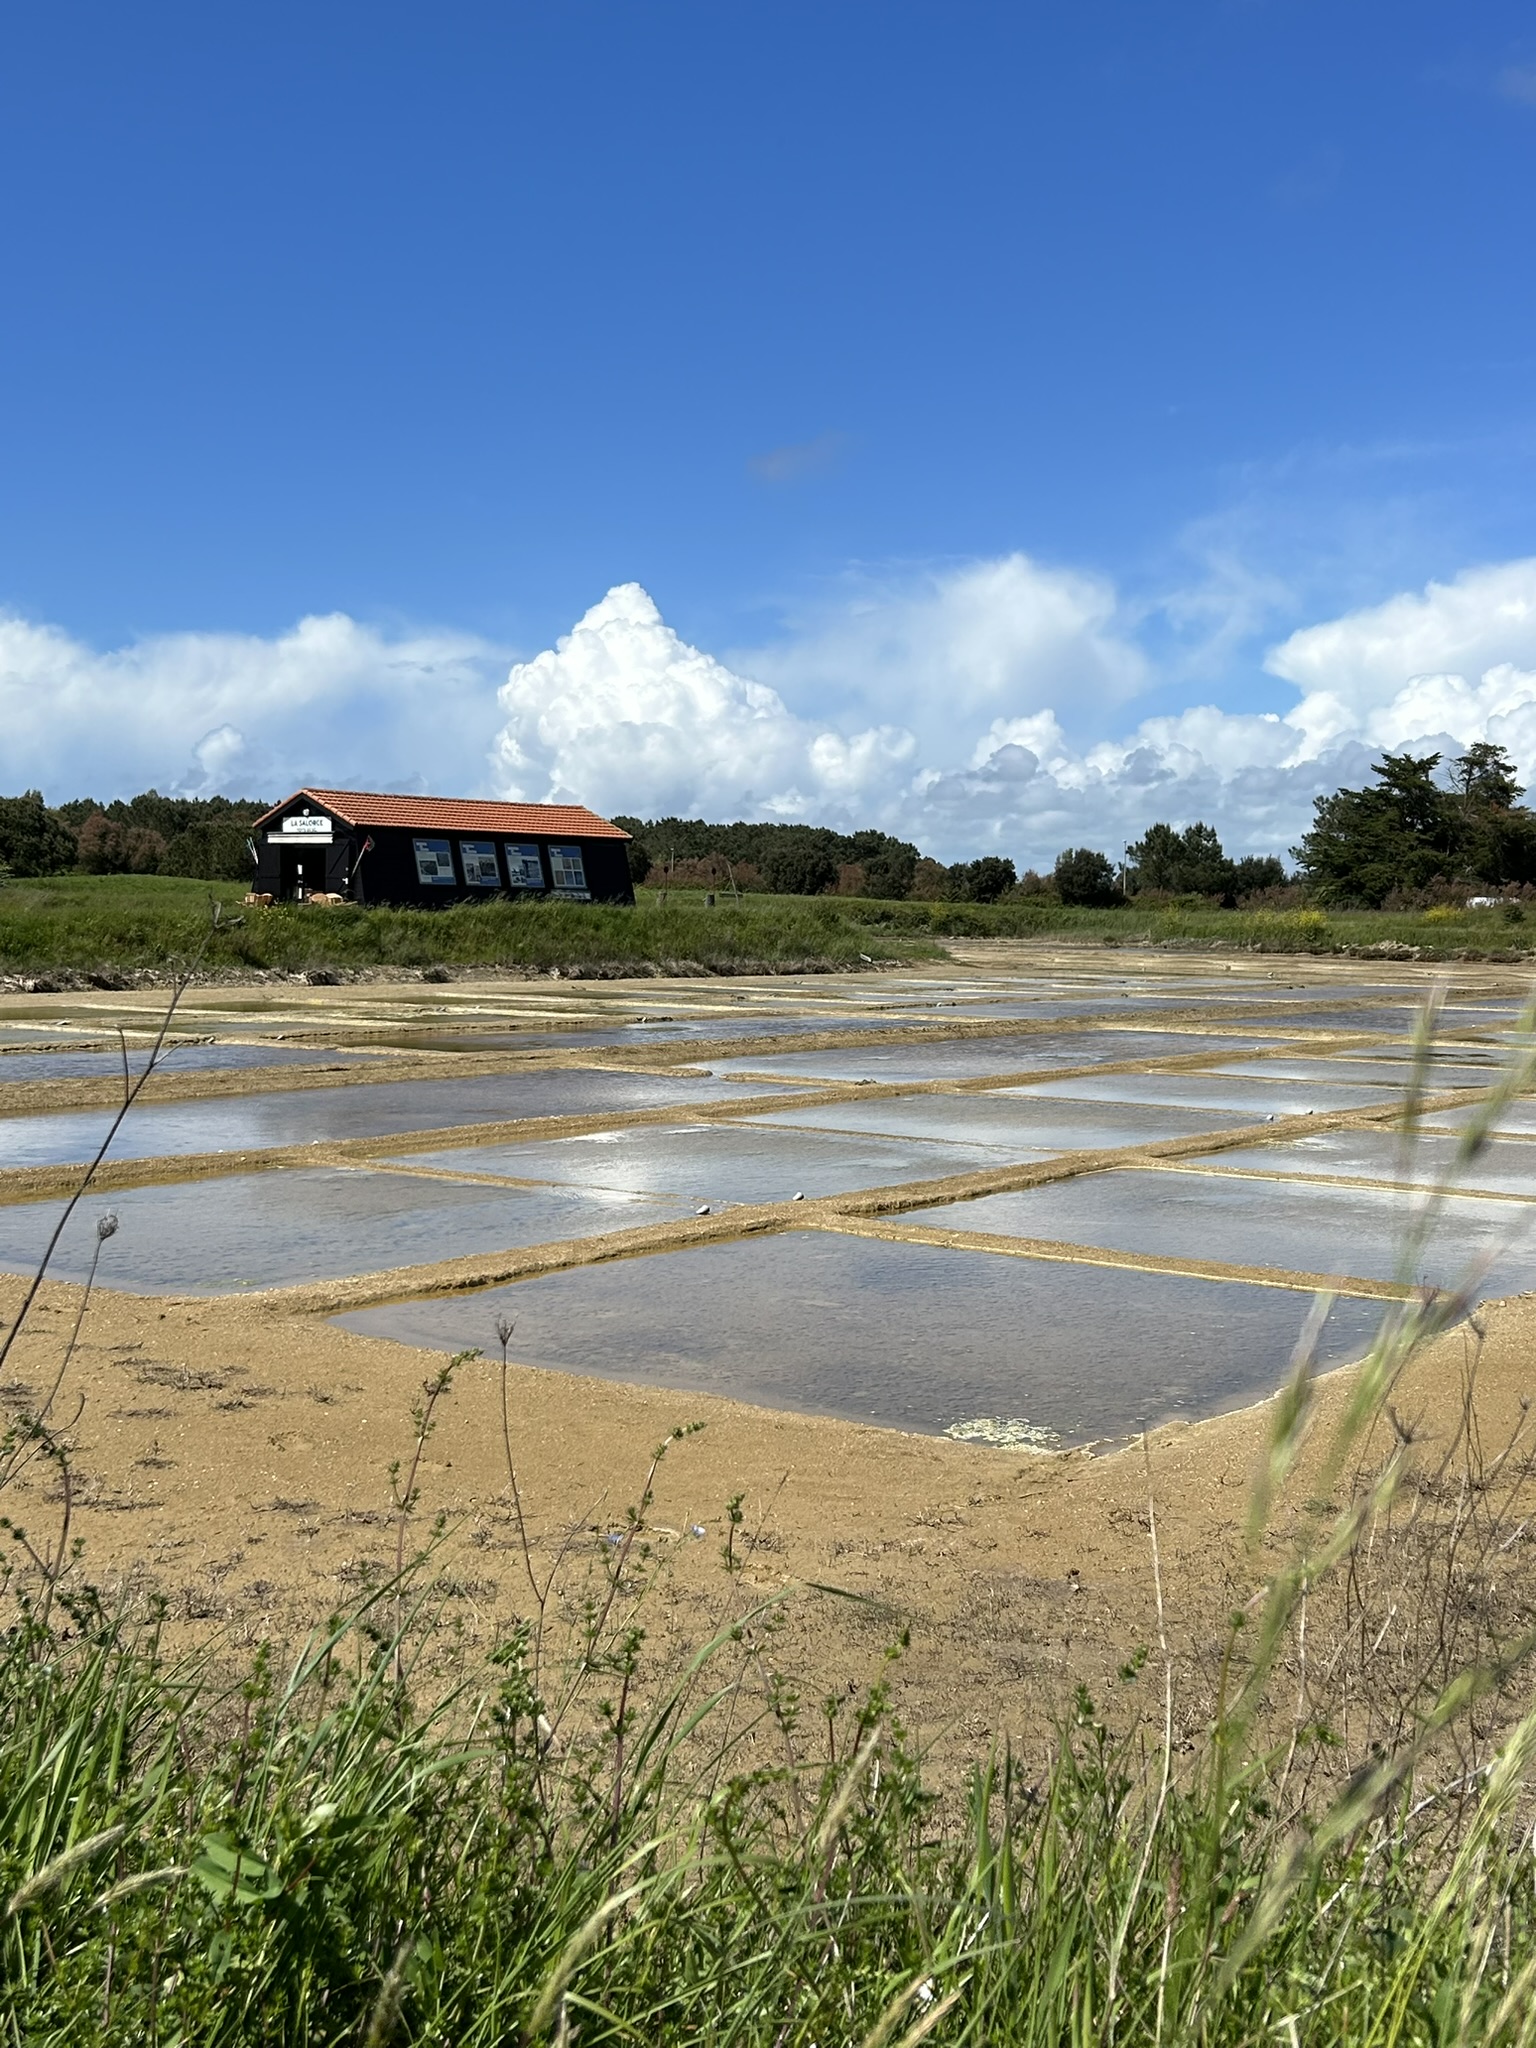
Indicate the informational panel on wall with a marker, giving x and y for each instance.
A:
(479, 858)
(434, 862)
(524, 868)
(568, 873)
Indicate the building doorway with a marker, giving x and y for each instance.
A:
(301, 871)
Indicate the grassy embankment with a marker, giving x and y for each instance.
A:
(85, 924)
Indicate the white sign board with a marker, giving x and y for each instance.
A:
(306, 827)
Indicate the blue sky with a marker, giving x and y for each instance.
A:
(864, 338)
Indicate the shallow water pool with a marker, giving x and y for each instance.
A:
(1003, 1119)
(1386, 1072)
(1504, 1166)
(1516, 1119)
(910, 1336)
(177, 1059)
(727, 1163)
(974, 1058)
(1296, 1227)
(366, 1110)
(1253, 1101)
(311, 1223)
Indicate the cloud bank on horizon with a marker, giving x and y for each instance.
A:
(977, 675)
(989, 707)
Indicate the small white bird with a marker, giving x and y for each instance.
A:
(703, 1210)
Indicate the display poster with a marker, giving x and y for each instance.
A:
(479, 858)
(567, 871)
(434, 862)
(525, 870)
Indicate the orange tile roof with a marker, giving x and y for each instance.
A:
(456, 814)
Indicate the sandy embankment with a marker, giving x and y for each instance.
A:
(238, 1462)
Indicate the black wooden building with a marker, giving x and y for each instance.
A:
(432, 850)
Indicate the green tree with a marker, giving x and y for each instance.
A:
(1408, 830)
(793, 859)
(1486, 774)
(33, 839)
(1086, 878)
(981, 881)
(1187, 863)
(889, 864)
(1256, 871)
(1401, 834)
(1498, 834)
(212, 849)
(798, 867)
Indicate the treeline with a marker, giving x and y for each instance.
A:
(148, 834)
(1416, 835)
(810, 860)
(786, 860)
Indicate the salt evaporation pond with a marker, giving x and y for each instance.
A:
(906, 1335)
(175, 1059)
(1386, 1073)
(659, 1031)
(309, 1223)
(366, 1110)
(1351, 1233)
(725, 1163)
(1254, 1100)
(1503, 1166)
(975, 1058)
(1001, 1119)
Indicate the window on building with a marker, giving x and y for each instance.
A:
(524, 868)
(567, 870)
(434, 862)
(479, 858)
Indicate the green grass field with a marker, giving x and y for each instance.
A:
(88, 924)
(114, 923)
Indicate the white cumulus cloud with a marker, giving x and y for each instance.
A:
(992, 639)
(1456, 660)
(330, 700)
(627, 712)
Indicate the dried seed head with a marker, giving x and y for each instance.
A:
(106, 1225)
(503, 1329)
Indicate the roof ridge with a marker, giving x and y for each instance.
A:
(463, 813)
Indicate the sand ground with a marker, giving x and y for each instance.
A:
(233, 1457)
